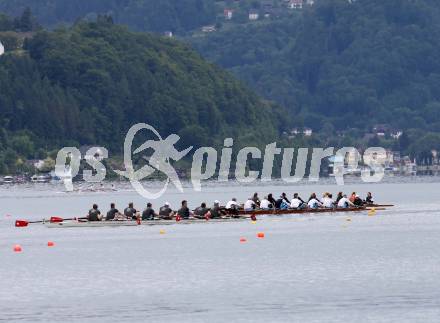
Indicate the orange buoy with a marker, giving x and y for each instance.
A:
(50, 244)
(17, 248)
(243, 240)
(260, 235)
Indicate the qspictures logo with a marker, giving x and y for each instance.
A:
(206, 163)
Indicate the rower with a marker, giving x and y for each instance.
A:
(232, 206)
(130, 212)
(281, 203)
(339, 197)
(353, 197)
(148, 213)
(285, 199)
(327, 201)
(217, 211)
(271, 200)
(112, 213)
(358, 201)
(94, 214)
(184, 211)
(314, 203)
(369, 199)
(256, 199)
(165, 212)
(265, 204)
(250, 205)
(344, 202)
(201, 211)
(297, 202)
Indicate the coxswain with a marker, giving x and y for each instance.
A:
(130, 212)
(112, 213)
(94, 214)
(344, 202)
(369, 199)
(165, 212)
(148, 213)
(265, 204)
(250, 205)
(297, 202)
(314, 203)
(184, 211)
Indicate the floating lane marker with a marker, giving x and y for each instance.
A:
(17, 248)
(260, 235)
(161, 231)
(243, 240)
(51, 244)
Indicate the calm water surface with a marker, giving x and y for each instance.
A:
(322, 268)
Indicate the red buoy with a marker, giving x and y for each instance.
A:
(50, 244)
(243, 240)
(260, 235)
(17, 248)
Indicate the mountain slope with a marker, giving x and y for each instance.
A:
(89, 84)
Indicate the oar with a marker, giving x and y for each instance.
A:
(54, 219)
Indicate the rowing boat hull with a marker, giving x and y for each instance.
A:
(97, 224)
(300, 211)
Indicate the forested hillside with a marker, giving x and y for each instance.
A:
(145, 15)
(90, 83)
(343, 65)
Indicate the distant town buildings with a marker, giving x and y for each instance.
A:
(254, 15)
(228, 13)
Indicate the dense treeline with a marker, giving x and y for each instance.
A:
(145, 15)
(343, 65)
(90, 83)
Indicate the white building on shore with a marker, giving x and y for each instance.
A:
(2, 49)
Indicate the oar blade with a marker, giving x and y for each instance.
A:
(56, 219)
(21, 223)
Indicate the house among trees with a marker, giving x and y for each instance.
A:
(2, 49)
(168, 34)
(228, 13)
(254, 15)
(295, 4)
(208, 29)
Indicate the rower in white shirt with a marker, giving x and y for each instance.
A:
(327, 201)
(265, 204)
(297, 202)
(232, 205)
(344, 202)
(314, 203)
(249, 205)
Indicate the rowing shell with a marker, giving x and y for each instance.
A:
(85, 224)
(300, 211)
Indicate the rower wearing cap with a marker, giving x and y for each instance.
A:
(165, 212)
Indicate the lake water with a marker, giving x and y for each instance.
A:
(315, 268)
